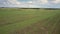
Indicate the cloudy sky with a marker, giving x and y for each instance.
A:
(30, 3)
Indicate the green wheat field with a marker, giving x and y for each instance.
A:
(29, 21)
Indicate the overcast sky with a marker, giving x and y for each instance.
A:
(30, 3)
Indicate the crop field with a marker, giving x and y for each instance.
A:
(29, 21)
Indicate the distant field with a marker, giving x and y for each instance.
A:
(29, 21)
